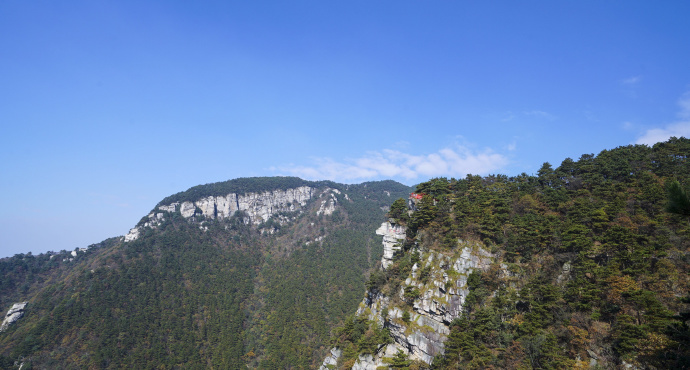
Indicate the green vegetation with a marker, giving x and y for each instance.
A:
(399, 361)
(316, 286)
(163, 300)
(600, 262)
(678, 199)
(398, 211)
(592, 261)
(184, 297)
(358, 336)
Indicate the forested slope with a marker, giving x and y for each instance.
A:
(590, 269)
(601, 269)
(199, 292)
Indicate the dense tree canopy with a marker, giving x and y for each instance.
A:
(220, 294)
(599, 264)
(589, 265)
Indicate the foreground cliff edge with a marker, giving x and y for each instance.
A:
(438, 288)
(581, 266)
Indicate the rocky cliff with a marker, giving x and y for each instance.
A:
(14, 314)
(392, 234)
(419, 320)
(257, 207)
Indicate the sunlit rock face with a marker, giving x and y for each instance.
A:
(133, 234)
(392, 234)
(442, 296)
(327, 206)
(443, 290)
(14, 314)
(258, 207)
(331, 360)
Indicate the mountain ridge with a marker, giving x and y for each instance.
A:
(121, 281)
(584, 269)
(581, 266)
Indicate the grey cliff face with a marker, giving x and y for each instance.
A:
(392, 234)
(328, 205)
(259, 207)
(331, 359)
(14, 314)
(441, 300)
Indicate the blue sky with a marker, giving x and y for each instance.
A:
(106, 107)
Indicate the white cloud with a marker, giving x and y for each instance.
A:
(677, 129)
(684, 103)
(590, 116)
(509, 116)
(541, 114)
(402, 144)
(631, 80)
(629, 86)
(656, 135)
(457, 161)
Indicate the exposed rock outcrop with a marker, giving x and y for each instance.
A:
(440, 278)
(331, 360)
(258, 207)
(377, 360)
(133, 234)
(328, 205)
(392, 234)
(442, 295)
(14, 314)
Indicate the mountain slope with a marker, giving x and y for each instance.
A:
(198, 288)
(577, 267)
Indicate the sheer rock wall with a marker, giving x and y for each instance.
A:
(392, 234)
(258, 207)
(443, 291)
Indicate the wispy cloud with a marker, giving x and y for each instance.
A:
(541, 114)
(402, 144)
(631, 80)
(684, 103)
(677, 129)
(630, 86)
(509, 116)
(456, 161)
